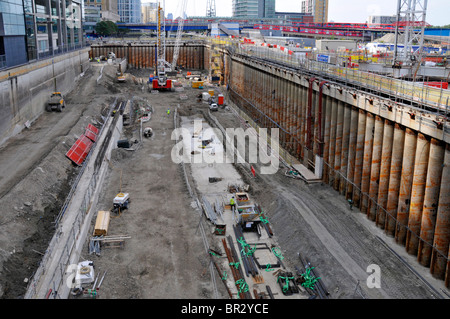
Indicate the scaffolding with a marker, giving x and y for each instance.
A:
(410, 26)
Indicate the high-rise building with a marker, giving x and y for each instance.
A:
(33, 29)
(129, 11)
(149, 12)
(12, 34)
(108, 9)
(318, 8)
(254, 8)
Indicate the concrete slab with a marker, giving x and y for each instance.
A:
(306, 173)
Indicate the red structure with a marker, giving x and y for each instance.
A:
(91, 132)
(80, 150)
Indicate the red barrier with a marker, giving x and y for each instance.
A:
(80, 150)
(91, 132)
(443, 85)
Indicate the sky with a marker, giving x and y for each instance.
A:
(355, 11)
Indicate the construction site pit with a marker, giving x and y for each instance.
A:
(178, 237)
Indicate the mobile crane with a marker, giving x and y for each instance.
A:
(161, 82)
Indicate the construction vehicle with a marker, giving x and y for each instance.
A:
(160, 81)
(55, 102)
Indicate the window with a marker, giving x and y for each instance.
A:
(43, 45)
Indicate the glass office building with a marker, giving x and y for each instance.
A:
(253, 8)
(12, 33)
(33, 29)
(129, 11)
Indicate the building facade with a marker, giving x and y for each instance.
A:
(378, 20)
(99, 10)
(295, 17)
(108, 10)
(129, 11)
(33, 29)
(317, 8)
(253, 9)
(149, 12)
(12, 34)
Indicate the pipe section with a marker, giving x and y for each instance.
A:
(386, 155)
(375, 168)
(417, 193)
(367, 162)
(430, 202)
(404, 195)
(442, 230)
(395, 173)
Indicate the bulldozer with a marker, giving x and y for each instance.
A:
(55, 102)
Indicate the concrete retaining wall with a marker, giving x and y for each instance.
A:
(25, 89)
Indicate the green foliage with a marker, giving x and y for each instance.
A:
(106, 28)
(447, 26)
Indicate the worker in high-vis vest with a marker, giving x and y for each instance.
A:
(232, 203)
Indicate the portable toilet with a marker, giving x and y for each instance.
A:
(220, 99)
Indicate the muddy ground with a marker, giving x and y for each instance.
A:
(165, 256)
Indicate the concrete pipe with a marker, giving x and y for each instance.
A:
(344, 152)
(395, 173)
(385, 166)
(334, 109)
(338, 147)
(442, 231)
(375, 168)
(352, 152)
(326, 146)
(417, 193)
(367, 162)
(359, 157)
(404, 196)
(430, 201)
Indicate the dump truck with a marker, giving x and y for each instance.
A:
(55, 102)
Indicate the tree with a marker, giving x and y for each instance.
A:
(106, 28)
